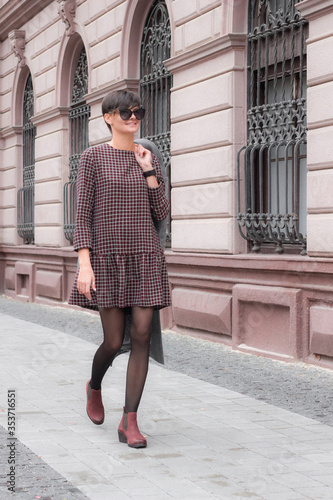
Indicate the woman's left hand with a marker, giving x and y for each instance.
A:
(143, 157)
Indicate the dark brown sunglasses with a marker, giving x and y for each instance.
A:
(126, 113)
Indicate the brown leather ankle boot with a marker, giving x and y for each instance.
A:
(128, 431)
(95, 408)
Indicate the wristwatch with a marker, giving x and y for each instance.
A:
(148, 173)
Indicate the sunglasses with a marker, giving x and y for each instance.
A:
(126, 113)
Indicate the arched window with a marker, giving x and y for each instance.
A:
(156, 82)
(79, 114)
(274, 161)
(26, 195)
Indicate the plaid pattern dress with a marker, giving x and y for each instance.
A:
(114, 219)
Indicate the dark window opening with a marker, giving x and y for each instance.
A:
(272, 167)
(79, 114)
(155, 85)
(26, 195)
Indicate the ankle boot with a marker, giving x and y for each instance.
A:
(128, 431)
(95, 408)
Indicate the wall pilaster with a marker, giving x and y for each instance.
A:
(208, 117)
(51, 173)
(10, 181)
(320, 125)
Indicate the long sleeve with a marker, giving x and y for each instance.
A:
(159, 203)
(85, 191)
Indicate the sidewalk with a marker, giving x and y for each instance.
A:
(204, 441)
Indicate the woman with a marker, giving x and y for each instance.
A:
(122, 269)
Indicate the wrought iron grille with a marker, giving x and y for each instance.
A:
(26, 195)
(79, 114)
(272, 167)
(155, 84)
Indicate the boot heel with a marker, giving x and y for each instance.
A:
(122, 437)
(128, 431)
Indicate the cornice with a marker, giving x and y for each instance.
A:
(40, 253)
(17, 12)
(311, 9)
(298, 263)
(96, 95)
(50, 115)
(5, 133)
(208, 50)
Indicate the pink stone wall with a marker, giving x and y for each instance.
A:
(280, 308)
(38, 274)
(206, 105)
(207, 311)
(320, 123)
(268, 319)
(321, 334)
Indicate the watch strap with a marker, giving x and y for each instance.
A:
(148, 173)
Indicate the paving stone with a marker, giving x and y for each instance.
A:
(210, 435)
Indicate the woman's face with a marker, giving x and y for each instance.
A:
(121, 126)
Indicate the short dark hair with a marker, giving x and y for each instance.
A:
(119, 99)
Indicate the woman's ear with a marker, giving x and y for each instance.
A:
(108, 119)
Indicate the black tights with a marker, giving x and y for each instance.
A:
(113, 321)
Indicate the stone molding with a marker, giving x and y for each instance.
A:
(37, 254)
(17, 42)
(232, 41)
(50, 114)
(320, 124)
(8, 132)
(132, 84)
(283, 270)
(312, 9)
(18, 12)
(67, 10)
(319, 80)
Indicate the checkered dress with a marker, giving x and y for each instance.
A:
(114, 219)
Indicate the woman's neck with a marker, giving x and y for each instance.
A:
(122, 142)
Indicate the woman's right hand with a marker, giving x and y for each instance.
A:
(86, 279)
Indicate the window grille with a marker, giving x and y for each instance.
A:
(26, 195)
(155, 84)
(79, 114)
(272, 167)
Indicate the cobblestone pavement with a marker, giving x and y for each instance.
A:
(38, 479)
(299, 388)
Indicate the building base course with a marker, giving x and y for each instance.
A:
(281, 308)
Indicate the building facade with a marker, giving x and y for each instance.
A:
(239, 98)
